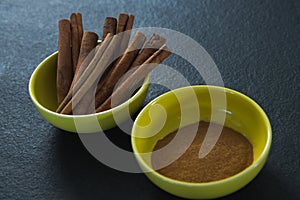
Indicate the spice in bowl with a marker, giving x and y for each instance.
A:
(88, 72)
(231, 154)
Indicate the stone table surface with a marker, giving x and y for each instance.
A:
(255, 45)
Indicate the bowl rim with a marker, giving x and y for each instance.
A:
(251, 167)
(115, 109)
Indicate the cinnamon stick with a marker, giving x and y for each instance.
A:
(84, 84)
(86, 105)
(119, 70)
(64, 61)
(89, 66)
(126, 34)
(110, 26)
(86, 55)
(80, 26)
(124, 26)
(88, 43)
(75, 40)
(122, 21)
(136, 77)
(124, 39)
(155, 42)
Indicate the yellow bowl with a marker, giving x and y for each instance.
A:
(164, 115)
(42, 90)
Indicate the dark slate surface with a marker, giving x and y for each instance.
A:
(255, 45)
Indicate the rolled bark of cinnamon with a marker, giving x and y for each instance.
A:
(110, 26)
(123, 39)
(155, 42)
(126, 34)
(87, 51)
(85, 83)
(64, 62)
(84, 65)
(119, 70)
(80, 26)
(124, 26)
(86, 105)
(89, 64)
(75, 40)
(122, 21)
(135, 78)
(88, 43)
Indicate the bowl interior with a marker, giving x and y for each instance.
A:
(43, 85)
(166, 114)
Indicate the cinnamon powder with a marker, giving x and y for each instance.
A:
(231, 154)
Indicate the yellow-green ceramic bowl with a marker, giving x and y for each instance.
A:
(42, 90)
(241, 114)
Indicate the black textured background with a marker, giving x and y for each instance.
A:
(255, 45)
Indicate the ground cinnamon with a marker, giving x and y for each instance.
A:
(231, 154)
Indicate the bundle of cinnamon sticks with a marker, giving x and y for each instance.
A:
(88, 72)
